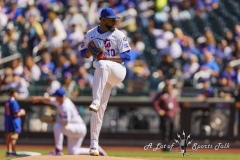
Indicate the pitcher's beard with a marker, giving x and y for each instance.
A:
(111, 29)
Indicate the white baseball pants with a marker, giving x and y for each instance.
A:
(107, 74)
(75, 134)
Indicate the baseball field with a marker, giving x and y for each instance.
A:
(126, 153)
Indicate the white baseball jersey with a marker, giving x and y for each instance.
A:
(67, 111)
(115, 42)
(106, 75)
(75, 130)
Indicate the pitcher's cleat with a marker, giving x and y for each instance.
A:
(94, 107)
(101, 151)
(93, 152)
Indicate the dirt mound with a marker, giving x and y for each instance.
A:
(73, 157)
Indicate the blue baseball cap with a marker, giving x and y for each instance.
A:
(108, 13)
(59, 92)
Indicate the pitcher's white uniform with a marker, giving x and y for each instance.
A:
(75, 130)
(107, 74)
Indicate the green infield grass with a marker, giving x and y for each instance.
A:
(155, 155)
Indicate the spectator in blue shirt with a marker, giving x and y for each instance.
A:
(12, 121)
(207, 90)
(14, 13)
(47, 66)
(209, 64)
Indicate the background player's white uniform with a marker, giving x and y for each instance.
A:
(75, 130)
(107, 74)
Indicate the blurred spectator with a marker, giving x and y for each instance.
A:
(9, 40)
(17, 67)
(182, 9)
(226, 85)
(237, 30)
(32, 11)
(84, 79)
(145, 11)
(228, 35)
(53, 23)
(3, 16)
(91, 7)
(224, 51)
(62, 64)
(55, 44)
(162, 11)
(73, 65)
(74, 17)
(47, 66)
(231, 73)
(209, 64)
(167, 68)
(210, 42)
(190, 67)
(129, 17)
(179, 36)
(190, 48)
(6, 79)
(70, 85)
(31, 71)
(20, 84)
(204, 6)
(162, 35)
(138, 43)
(207, 90)
(34, 35)
(236, 51)
(141, 70)
(13, 12)
(223, 54)
(173, 49)
(52, 85)
(75, 36)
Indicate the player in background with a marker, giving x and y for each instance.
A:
(108, 72)
(68, 123)
(166, 105)
(12, 121)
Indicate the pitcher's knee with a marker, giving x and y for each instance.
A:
(102, 64)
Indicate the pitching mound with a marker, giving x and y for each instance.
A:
(74, 157)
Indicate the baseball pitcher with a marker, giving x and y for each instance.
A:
(110, 48)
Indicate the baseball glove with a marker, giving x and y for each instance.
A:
(96, 47)
(47, 119)
(48, 115)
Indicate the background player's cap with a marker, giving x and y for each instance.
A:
(12, 90)
(108, 13)
(59, 92)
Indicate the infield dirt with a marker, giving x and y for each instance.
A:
(73, 157)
